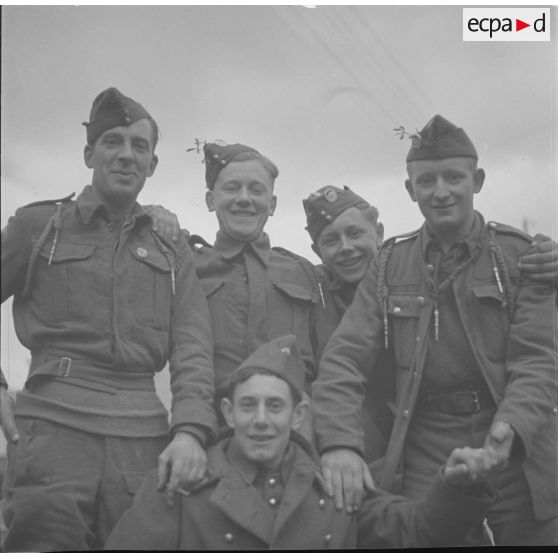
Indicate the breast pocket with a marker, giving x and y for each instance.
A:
(153, 290)
(490, 317)
(404, 311)
(291, 311)
(59, 287)
(219, 310)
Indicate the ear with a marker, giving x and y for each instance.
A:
(210, 201)
(153, 165)
(479, 180)
(316, 250)
(273, 205)
(380, 233)
(88, 156)
(227, 410)
(410, 189)
(299, 414)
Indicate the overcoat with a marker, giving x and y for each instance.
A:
(226, 513)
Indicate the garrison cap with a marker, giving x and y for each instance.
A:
(326, 204)
(111, 109)
(280, 357)
(217, 157)
(440, 139)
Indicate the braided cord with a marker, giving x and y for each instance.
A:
(55, 222)
(382, 290)
(500, 267)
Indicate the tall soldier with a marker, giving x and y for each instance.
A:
(473, 343)
(102, 303)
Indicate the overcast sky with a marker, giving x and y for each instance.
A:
(317, 90)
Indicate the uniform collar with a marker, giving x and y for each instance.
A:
(249, 470)
(89, 204)
(468, 245)
(230, 247)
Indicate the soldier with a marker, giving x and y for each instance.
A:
(346, 235)
(473, 344)
(102, 302)
(265, 490)
(255, 293)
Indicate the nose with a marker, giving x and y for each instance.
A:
(441, 188)
(243, 197)
(346, 244)
(125, 152)
(260, 419)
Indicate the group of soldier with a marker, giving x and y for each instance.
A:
(401, 394)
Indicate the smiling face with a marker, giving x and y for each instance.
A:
(444, 190)
(242, 197)
(122, 158)
(348, 245)
(262, 413)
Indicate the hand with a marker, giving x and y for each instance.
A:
(182, 463)
(467, 466)
(346, 476)
(164, 221)
(499, 442)
(541, 261)
(7, 415)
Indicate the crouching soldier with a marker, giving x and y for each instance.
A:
(265, 490)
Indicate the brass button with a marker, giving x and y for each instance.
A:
(229, 537)
(321, 503)
(273, 501)
(272, 481)
(421, 300)
(555, 410)
(327, 538)
(396, 310)
(406, 414)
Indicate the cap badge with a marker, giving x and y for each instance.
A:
(330, 196)
(141, 252)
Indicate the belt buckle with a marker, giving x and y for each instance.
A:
(64, 367)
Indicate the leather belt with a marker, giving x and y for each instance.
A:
(459, 403)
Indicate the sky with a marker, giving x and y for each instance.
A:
(318, 90)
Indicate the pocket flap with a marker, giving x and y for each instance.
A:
(404, 306)
(66, 251)
(292, 290)
(212, 286)
(151, 257)
(488, 291)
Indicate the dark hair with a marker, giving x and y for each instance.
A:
(245, 375)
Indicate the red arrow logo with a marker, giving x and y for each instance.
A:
(519, 25)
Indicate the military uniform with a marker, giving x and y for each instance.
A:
(239, 509)
(255, 294)
(473, 343)
(100, 310)
(377, 416)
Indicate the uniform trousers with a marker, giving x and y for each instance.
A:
(431, 438)
(66, 489)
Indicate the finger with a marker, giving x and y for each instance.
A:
(369, 483)
(537, 258)
(11, 432)
(328, 481)
(456, 473)
(358, 489)
(348, 490)
(162, 473)
(337, 481)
